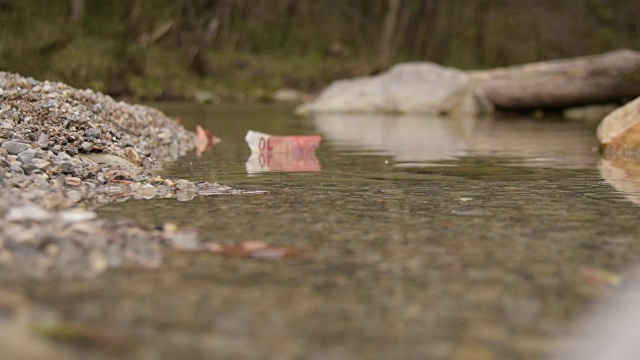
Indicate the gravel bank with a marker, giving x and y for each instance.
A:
(64, 151)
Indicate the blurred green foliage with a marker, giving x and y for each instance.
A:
(240, 49)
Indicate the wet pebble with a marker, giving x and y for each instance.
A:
(147, 191)
(185, 185)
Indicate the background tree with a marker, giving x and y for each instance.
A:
(166, 48)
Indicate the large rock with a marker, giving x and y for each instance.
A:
(412, 88)
(619, 132)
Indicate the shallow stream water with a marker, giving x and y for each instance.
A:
(420, 238)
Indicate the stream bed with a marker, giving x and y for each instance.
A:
(419, 238)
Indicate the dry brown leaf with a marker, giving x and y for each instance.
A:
(205, 140)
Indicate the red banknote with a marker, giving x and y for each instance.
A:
(265, 143)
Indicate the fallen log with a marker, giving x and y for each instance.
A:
(557, 84)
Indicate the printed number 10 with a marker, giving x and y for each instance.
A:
(265, 144)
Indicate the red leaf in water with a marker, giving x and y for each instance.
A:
(205, 140)
(179, 120)
(212, 138)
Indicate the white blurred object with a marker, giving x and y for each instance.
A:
(612, 330)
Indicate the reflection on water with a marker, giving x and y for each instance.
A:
(420, 139)
(477, 256)
(405, 137)
(282, 162)
(623, 173)
(610, 330)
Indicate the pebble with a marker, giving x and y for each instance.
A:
(92, 133)
(40, 163)
(43, 141)
(26, 156)
(74, 196)
(132, 156)
(14, 147)
(147, 191)
(186, 240)
(29, 168)
(28, 212)
(76, 215)
(86, 146)
(16, 169)
(185, 185)
(185, 196)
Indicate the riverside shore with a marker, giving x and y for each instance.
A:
(65, 151)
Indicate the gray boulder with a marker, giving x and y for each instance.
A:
(411, 88)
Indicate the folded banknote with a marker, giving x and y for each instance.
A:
(260, 142)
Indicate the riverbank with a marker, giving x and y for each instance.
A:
(65, 151)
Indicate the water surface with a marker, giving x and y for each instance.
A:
(421, 238)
